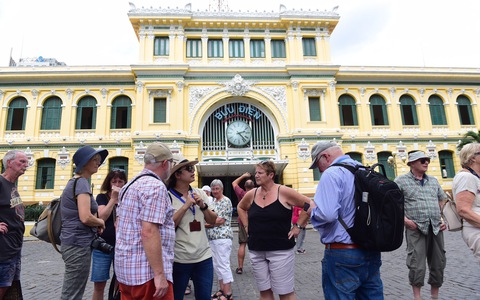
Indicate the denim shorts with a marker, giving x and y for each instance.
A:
(101, 263)
(10, 270)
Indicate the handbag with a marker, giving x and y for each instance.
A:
(14, 292)
(49, 224)
(450, 215)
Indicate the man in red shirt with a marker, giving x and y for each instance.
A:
(242, 233)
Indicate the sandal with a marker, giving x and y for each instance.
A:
(188, 290)
(225, 297)
(239, 271)
(217, 294)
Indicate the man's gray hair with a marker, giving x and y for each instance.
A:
(11, 155)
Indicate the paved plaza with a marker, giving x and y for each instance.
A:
(42, 272)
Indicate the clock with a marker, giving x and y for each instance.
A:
(239, 133)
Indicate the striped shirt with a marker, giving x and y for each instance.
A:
(421, 200)
(145, 200)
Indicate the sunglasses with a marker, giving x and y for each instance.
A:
(118, 170)
(190, 169)
(423, 160)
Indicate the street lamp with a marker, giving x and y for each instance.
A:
(392, 161)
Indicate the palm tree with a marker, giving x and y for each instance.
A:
(469, 137)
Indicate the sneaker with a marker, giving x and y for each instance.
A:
(301, 251)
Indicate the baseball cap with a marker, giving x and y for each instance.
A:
(319, 148)
(159, 151)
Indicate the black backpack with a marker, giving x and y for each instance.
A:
(379, 211)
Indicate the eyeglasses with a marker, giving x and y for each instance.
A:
(169, 160)
(423, 160)
(476, 153)
(190, 169)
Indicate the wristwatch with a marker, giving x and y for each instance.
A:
(298, 226)
(306, 206)
(205, 207)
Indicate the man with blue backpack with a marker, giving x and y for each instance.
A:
(349, 271)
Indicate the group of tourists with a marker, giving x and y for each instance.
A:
(165, 232)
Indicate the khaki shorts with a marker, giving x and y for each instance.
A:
(274, 270)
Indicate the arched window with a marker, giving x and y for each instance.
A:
(121, 113)
(118, 163)
(348, 111)
(437, 110)
(383, 159)
(17, 114)
(355, 156)
(86, 113)
(465, 111)
(51, 114)
(409, 111)
(446, 164)
(378, 111)
(45, 174)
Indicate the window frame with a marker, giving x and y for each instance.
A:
(236, 48)
(343, 106)
(215, 48)
(408, 110)
(377, 103)
(445, 160)
(309, 47)
(278, 48)
(17, 114)
(160, 113)
(437, 110)
(257, 48)
(51, 114)
(314, 107)
(465, 113)
(83, 108)
(45, 172)
(122, 110)
(194, 48)
(161, 46)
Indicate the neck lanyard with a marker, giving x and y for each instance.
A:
(473, 172)
(192, 208)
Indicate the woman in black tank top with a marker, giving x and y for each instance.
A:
(271, 237)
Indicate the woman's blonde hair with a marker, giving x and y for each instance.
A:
(468, 152)
(268, 166)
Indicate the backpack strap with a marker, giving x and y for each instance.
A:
(50, 221)
(352, 169)
(135, 179)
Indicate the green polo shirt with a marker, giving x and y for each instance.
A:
(421, 200)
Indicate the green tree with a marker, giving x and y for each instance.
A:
(469, 137)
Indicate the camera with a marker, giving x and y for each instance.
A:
(100, 244)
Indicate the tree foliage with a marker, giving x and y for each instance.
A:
(469, 137)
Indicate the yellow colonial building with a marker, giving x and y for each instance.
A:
(231, 89)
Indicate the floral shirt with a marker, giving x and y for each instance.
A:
(223, 209)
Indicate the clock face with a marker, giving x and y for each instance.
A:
(239, 133)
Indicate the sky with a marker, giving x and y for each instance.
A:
(417, 33)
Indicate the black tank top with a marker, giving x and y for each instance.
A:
(268, 227)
